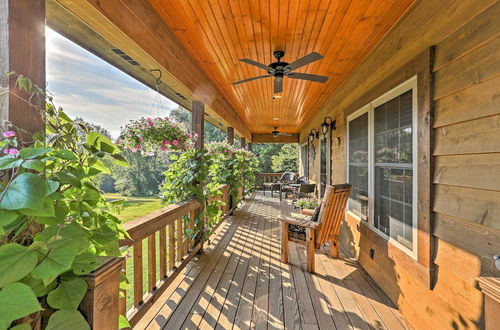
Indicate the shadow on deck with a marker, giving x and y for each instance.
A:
(239, 282)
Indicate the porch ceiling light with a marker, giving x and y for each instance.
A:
(312, 135)
(328, 124)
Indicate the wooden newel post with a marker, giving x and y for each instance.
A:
(243, 143)
(22, 50)
(198, 126)
(249, 146)
(230, 135)
(100, 306)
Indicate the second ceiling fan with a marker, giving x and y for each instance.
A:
(279, 70)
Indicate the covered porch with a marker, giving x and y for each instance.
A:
(239, 282)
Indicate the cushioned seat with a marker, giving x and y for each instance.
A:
(299, 232)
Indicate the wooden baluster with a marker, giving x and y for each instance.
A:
(171, 246)
(151, 262)
(123, 300)
(179, 240)
(191, 226)
(138, 278)
(163, 253)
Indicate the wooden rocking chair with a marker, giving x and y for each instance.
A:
(327, 228)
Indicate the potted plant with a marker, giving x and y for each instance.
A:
(150, 135)
(307, 205)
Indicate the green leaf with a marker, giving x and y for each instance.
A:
(38, 286)
(66, 154)
(47, 209)
(16, 261)
(100, 142)
(84, 263)
(123, 322)
(101, 167)
(51, 186)
(67, 320)
(25, 192)
(69, 178)
(6, 217)
(30, 153)
(68, 294)
(17, 300)
(34, 164)
(120, 160)
(7, 162)
(61, 256)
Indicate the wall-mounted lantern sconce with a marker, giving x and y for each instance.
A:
(312, 135)
(328, 124)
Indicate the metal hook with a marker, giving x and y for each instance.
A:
(158, 81)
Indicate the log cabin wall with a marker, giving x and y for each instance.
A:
(465, 199)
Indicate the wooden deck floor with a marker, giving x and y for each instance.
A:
(239, 282)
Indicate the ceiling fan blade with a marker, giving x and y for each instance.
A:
(250, 79)
(303, 61)
(278, 85)
(307, 76)
(252, 62)
(285, 134)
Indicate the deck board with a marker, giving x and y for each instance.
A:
(239, 282)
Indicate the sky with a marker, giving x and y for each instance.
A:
(90, 88)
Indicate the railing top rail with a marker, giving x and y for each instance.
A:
(150, 223)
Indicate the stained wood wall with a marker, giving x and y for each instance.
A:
(466, 203)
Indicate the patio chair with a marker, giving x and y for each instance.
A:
(287, 177)
(323, 226)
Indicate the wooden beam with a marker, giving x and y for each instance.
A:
(137, 29)
(198, 122)
(22, 50)
(269, 138)
(230, 135)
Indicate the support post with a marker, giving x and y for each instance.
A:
(22, 50)
(100, 305)
(243, 143)
(198, 126)
(249, 146)
(230, 135)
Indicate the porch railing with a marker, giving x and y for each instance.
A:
(160, 250)
(262, 178)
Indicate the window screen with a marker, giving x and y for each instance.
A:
(358, 165)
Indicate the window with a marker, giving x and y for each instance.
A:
(358, 165)
(304, 159)
(382, 167)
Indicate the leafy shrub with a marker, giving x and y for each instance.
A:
(54, 223)
(307, 203)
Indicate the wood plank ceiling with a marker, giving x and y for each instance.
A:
(219, 32)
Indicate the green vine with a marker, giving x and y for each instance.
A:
(54, 223)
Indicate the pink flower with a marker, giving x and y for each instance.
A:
(141, 139)
(150, 154)
(163, 148)
(12, 151)
(138, 147)
(117, 141)
(175, 142)
(167, 142)
(9, 134)
(148, 119)
(150, 123)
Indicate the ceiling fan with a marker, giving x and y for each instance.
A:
(279, 69)
(276, 133)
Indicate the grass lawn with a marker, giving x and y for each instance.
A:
(134, 207)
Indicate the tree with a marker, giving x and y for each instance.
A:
(143, 177)
(287, 160)
(264, 153)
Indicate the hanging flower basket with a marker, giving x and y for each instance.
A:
(150, 135)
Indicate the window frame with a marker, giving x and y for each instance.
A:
(410, 84)
(305, 162)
